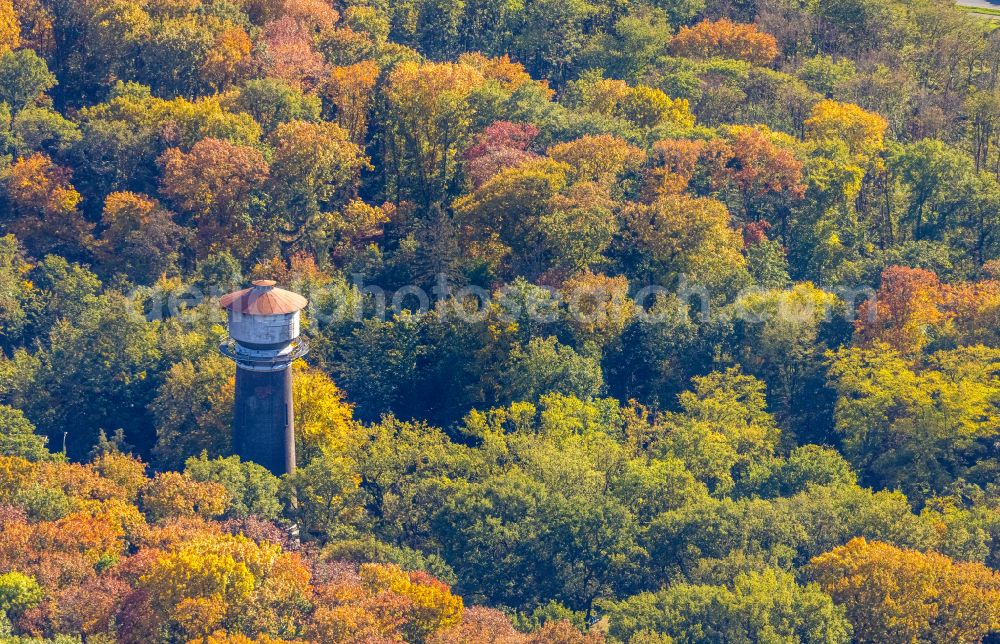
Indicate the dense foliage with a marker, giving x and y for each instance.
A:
(91, 546)
(637, 321)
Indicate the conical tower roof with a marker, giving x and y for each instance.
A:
(263, 298)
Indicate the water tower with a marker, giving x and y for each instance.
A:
(263, 341)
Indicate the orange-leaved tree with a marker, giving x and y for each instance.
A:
(898, 595)
(725, 39)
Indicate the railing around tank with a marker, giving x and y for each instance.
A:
(257, 362)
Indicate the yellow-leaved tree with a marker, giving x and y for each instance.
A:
(10, 30)
(861, 130)
(324, 421)
(225, 581)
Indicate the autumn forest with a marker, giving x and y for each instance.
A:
(630, 321)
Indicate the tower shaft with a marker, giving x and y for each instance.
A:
(263, 422)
